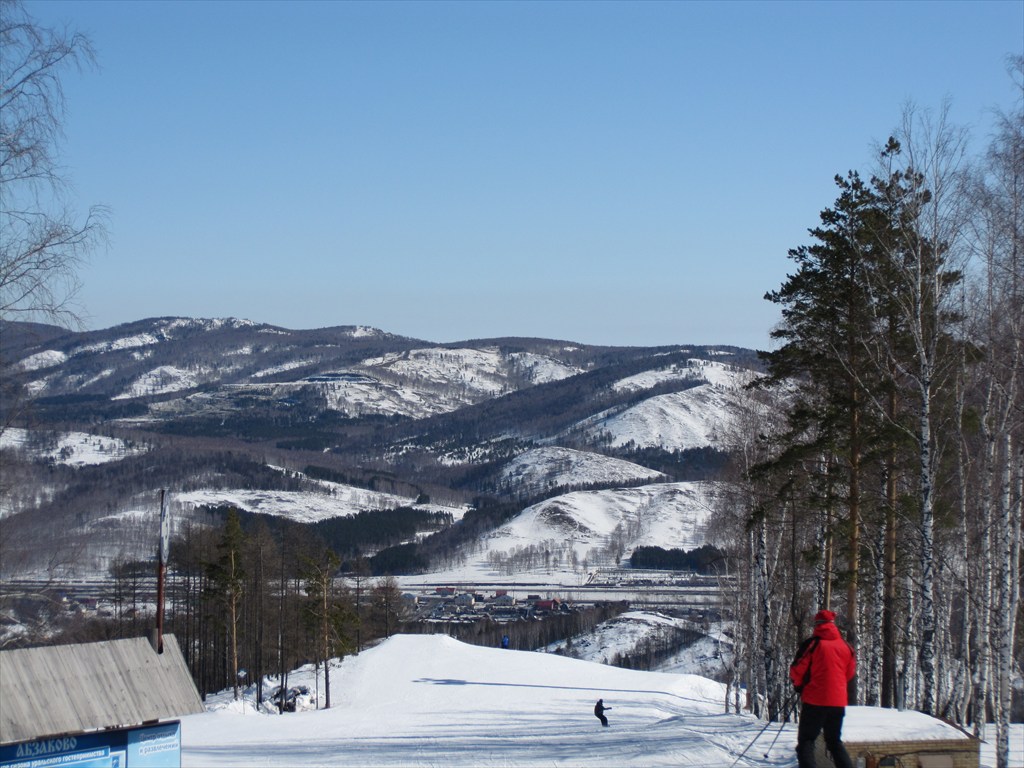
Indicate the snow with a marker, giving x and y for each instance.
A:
(540, 369)
(623, 634)
(670, 515)
(126, 342)
(355, 393)
(207, 324)
(77, 449)
(428, 700)
(283, 367)
(424, 382)
(702, 416)
(708, 371)
(479, 373)
(694, 418)
(336, 500)
(537, 470)
(159, 381)
(45, 359)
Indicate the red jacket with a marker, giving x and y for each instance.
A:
(827, 666)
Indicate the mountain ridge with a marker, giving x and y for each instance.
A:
(215, 402)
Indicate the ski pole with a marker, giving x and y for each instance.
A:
(791, 704)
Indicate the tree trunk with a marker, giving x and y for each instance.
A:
(1007, 615)
(928, 671)
(852, 601)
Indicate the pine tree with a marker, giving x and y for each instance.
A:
(830, 312)
(227, 583)
(328, 611)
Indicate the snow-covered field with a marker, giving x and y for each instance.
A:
(428, 700)
(74, 448)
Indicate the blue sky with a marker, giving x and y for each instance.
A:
(601, 172)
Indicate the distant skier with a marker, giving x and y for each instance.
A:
(599, 710)
(823, 667)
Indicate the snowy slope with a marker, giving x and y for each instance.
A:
(699, 417)
(670, 515)
(537, 470)
(428, 700)
(623, 634)
(72, 448)
(306, 506)
(424, 382)
(328, 501)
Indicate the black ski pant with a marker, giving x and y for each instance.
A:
(813, 720)
(603, 719)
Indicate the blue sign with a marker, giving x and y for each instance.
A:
(150, 746)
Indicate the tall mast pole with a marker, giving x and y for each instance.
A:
(161, 572)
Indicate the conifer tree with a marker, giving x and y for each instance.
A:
(829, 320)
(227, 583)
(327, 611)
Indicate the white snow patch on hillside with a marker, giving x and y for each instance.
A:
(207, 324)
(624, 635)
(336, 500)
(126, 342)
(479, 372)
(105, 373)
(428, 700)
(695, 418)
(540, 369)
(283, 367)
(669, 515)
(360, 394)
(45, 359)
(159, 381)
(698, 417)
(77, 449)
(417, 383)
(537, 470)
(695, 369)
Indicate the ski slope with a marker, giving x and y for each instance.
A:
(428, 700)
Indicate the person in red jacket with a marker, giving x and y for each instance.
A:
(820, 672)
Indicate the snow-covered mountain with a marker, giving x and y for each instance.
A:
(353, 370)
(592, 442)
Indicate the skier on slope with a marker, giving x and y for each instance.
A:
(820, 672)
(599, 710)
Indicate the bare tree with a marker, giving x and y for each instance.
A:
(42, 241)
(997, 240)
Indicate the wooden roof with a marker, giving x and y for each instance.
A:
(72, 688)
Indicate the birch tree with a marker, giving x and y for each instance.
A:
(920, 185)
(42, 240)
(998, 248)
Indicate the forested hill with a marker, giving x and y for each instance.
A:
(361, 419)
